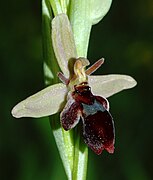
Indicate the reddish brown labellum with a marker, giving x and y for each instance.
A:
(98, 126)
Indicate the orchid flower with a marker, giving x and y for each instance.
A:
(80, 96)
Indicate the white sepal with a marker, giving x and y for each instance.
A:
(107, 85)
(63, 42)
(44, 103)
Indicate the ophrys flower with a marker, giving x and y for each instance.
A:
(89, 105)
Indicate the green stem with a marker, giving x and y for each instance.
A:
(80, 157)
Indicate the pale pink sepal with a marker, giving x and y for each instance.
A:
(107, 85)
(44, 103)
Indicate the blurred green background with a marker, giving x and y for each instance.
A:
(125, 39)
